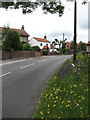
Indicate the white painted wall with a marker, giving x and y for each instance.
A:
(34, 42)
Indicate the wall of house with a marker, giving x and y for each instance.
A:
(25, 39)
(34, 42)
(88, 48)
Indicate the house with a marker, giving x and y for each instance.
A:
(23, 34)
(42, 43)
(88, 48)
(68, 44)
(53, 48)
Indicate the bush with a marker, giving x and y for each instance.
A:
(26, 46)
(82, 58)
(45, 52)
(31, 49)
(36, 48)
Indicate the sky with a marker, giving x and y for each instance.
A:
(38, 24)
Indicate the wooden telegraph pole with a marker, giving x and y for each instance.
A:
(75, 30)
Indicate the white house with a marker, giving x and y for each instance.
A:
(40, 42)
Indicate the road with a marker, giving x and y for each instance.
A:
(22, 83)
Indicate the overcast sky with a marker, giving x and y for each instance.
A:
(38, 24)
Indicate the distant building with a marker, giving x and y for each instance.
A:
(42, 43)
(23, 34)
(53, 48)
(68, 44)
(88, 48)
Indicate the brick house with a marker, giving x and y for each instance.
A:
(23, 34)
(88, 48)
(68, 44)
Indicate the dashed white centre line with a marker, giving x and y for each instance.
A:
(27, 66)
(41, 61)
(5, 74)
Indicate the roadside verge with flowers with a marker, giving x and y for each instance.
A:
(67, 92)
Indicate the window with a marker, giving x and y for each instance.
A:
(40, 44)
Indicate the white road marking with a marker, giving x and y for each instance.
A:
(27, 66)
(42, 61)
(5, 74)
(14, 61)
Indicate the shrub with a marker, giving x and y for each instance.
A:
(31, 49)
(82, 58)
(45, 52)
(36, 48)
(26, 46)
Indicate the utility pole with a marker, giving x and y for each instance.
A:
(63, 36)
(75, 30)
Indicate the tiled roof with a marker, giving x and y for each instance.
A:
(21, 32)
(52, 47)
(68, 42)
(41, 40)
(88, 43)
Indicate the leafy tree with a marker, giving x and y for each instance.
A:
(82, 46)
(61, 42)
(5, 32)
(12, 41)
(29, 7)
(72, 44)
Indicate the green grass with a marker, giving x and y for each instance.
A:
(65, 97)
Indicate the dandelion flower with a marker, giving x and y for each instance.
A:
(54, 105)
(56, 97)
(48, 105)
(83, 98)
(80, 108)
(41, 112)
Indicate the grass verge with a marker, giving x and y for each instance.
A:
(66, 97)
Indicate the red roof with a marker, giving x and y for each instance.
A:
(41, 40)
(88, 43)
(45, 47)
(68, 43)
(21, 32)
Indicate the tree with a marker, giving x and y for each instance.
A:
(57, 42)
(12, 41)
(81, 46)
(29, 7)
(5, 32)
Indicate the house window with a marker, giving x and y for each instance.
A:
(40, 44)
(46, 44)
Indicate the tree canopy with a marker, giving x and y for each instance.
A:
(12, 41)
(29, 7)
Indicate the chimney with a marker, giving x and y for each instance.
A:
(45, 37)
(22, 27)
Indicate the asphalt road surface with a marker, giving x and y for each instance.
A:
(22, 83)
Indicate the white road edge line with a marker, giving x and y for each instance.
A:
(27, 66)
(5, 74)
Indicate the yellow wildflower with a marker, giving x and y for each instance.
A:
(48, 105)
(68, 101)
(54, 105)
(55, 101)
(66, 106)
(75, 85)
(79, 100)
(80, 108)
(83, 98)
(56, 97)
(41, 112)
